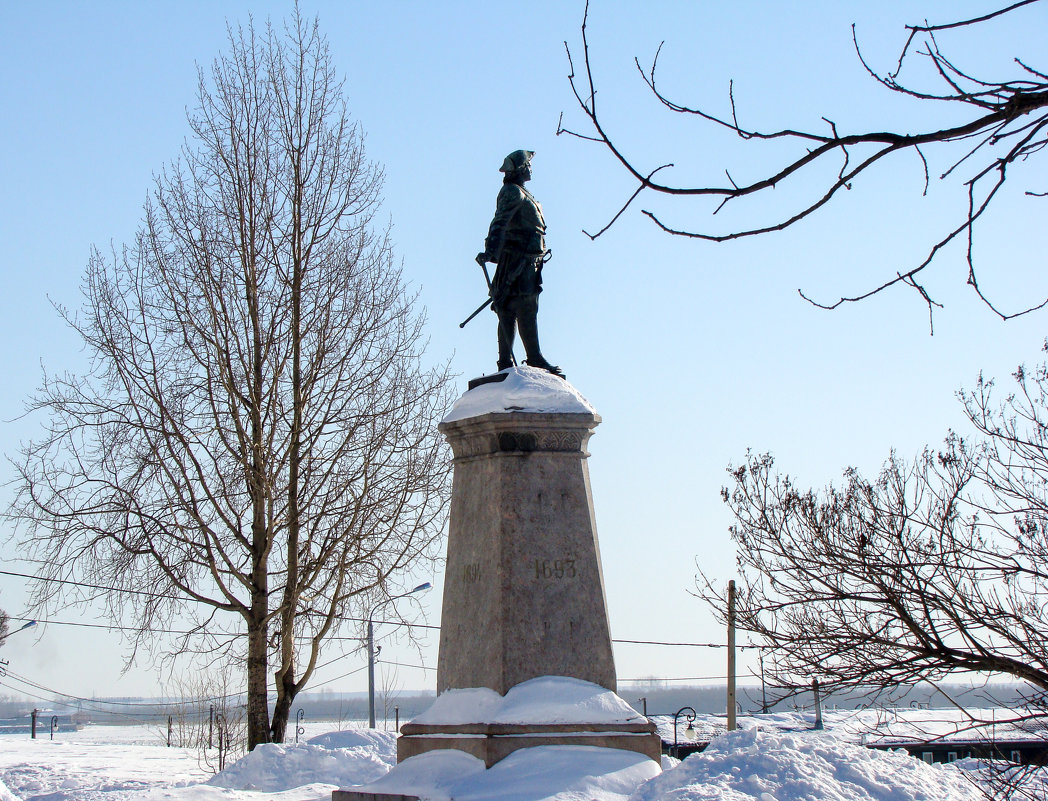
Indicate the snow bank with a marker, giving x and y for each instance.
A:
(82, 765)
(547, 699)
(525, 389)
(430, 775)
(457, 707)
(546, 773)
(271, 767)
(384, 742)
(561, 773)
(749, 765)
(5, 794)
(559, 699)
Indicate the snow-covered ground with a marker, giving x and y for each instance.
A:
(105, 763)
(132, 763)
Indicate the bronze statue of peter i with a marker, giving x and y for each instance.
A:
(516, 243)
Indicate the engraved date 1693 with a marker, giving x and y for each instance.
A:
(555, 568)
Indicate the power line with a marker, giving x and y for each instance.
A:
(57, 694)
(344, 675)
(346, 618)
(114, 627)
(655, 679)
(401, 664)
(93, 586)
(56, 702)
(160, 705)
(689, 644)
(89, 704)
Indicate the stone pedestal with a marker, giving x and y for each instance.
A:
(524, 590)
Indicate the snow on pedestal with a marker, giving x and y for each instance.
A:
(548, 699)
(549, 732)
(521, 389)
(549, 710)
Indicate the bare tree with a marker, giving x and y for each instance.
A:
(1004, 124)
(4, 630)
(936, 566)
(254, 442)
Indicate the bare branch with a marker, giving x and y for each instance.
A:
(1000, 111)
(935, 566)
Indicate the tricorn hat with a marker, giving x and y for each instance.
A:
(515, 160)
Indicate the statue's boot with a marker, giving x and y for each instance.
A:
(529, 335)
(542, 364)
(506, 325)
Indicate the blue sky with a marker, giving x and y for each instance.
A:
(691, 352)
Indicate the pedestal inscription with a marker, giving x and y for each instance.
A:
(524, 591)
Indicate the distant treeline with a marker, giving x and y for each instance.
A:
(155, 711)
(661, 700)
(664, 700)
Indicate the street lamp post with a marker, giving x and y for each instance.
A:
(28, 625)
(4, 663)
(689, 715)
(371, 672)
(371, 647)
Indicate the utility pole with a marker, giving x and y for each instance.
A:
(371, 674)
(732, 725)
(818, 704)
(764, 693)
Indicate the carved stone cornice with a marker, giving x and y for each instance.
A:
(519, 433)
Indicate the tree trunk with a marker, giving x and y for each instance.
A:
(257, 691)
(287, 691)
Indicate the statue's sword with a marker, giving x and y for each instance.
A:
(480, 308)
(484, 266)
(487, 279)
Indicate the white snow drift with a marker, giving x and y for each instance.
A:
(525, 389)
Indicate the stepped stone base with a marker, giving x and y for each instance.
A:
(493, 742)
